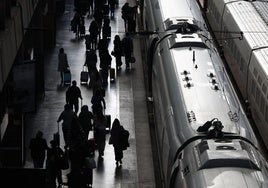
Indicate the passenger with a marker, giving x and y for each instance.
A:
(38, 147)
(78, 135)
(95, 80)
(125, 10)
(98, 102)
(62, 63)
(117, 51)
(90, 8)
(127, 44)
(94, 32)
(112, 4)
(72, 96)
(98, 16)
(66, 116)
(89, 164)
(100, 132)
(86, 118)
(106, 29)
(75, 23)
(91, 61)
(116, 141)
(105, 65)
(53, 165)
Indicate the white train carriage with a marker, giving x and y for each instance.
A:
(247, 58)
(204, 136)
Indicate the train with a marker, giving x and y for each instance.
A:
(204, 137)
(246, 56)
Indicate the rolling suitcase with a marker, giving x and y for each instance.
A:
(67, 78)
(112, 74)
(84, 76)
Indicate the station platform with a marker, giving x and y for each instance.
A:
(125, 99)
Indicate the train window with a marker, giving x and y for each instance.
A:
(234, 51)
(242, 65)
(259, 80)
(255, 73)
(253, 88)
(262, 105)
(257, 96)
(266, 114)
(264, 89)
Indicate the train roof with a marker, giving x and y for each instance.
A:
(206, 90)
(222, 163)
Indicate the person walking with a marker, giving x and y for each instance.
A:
(100, 132)
(127, 44)
(38, 147)
(85, 119)
(98, 102)
(94, 31)
(72, 95)
(125, 11)
(62, 63)
(117, 51)
(105, 65)
(112, 4)
(116, 141)
(66, 116)
(53, 164)
(96, 81)
(91, 61)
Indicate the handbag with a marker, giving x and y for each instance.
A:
(90, 162)
(63, 162)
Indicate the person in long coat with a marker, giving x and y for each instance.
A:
(85, 119)
(117, 52)
(38, 146)
(62, 63)
(116, 141)
(66, 116)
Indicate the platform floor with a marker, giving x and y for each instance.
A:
(125, 99)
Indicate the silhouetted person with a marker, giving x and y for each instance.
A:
(53, 164)
(98, 102)
(86, 118)
(100, 132)
(106, 29)
(116, 141)
(96, 80)
(38, 146)
(91, 61)
(94, 31)
(105, 65)
(117, 51)
(125, 10)
(112, 4)
(72, 96)
(62, 63)
(127, 44)
(66, 116)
